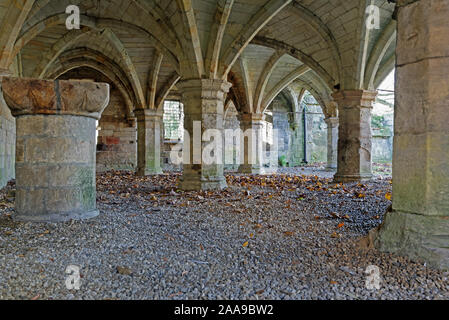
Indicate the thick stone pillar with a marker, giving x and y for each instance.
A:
(252, 148)
(149, 133)
(332, 143)
(297, 141)
(55, 147)
(419, 224)
(355, 137)
(203, 101)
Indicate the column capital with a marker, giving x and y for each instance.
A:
(332, 122)
(355, 98)
(148, 114)
(209, 87)
(250, 117)
(332, 109)
(78, 98)
(132, 120)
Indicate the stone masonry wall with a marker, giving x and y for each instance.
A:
(383, 140)
(316, 135)
(117, 137)
(290, 137)
(7, 144)
(117, 147)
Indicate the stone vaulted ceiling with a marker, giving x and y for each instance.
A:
(146, 46)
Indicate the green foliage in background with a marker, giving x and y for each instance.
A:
(379, 124)
(283, 161)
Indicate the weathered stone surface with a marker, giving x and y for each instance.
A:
(149, 135)
(31, 96)
(332, 143)
(58, 173)
(203, 102)
(354, 143)
(419, 225)
(55, 147)
(117, 145)
(418, 236)
(252, 127)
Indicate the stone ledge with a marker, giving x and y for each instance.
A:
(352, 178)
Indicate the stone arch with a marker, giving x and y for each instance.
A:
(325, 33)
(95, 24)
(192, 64)
(283, 84)
(321, 97)
(298, 54)
(123, 59)
(10, 28)
(385, 44)
(228, 106)
(153, 21)
(58, 48)
(98, 62)
(384, 70)
(256, 23)
(264, 78)
(165, 91)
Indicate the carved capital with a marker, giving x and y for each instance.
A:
(31, 96)
(148, 114)
(207, 88)
(355, 98)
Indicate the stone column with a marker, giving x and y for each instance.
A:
(252, 148)
(55, 147)
(419, 224)
(297, 141)
(332, 143)
(355, 137)
(203, 101)
(149, 133)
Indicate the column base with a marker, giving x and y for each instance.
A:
(203, 184)
(416, 236)
(352, 178)
(57, 217)
(149, 172)
(248, 169)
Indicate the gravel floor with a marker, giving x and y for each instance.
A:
(265, 237)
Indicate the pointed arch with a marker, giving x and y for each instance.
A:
(383, 45)
(192, 44)
(165, 90)
(270, 96)
(9, 30)
(325, 33)
(224, 9)
(256, 23)
(265, 77)
(75, 64)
